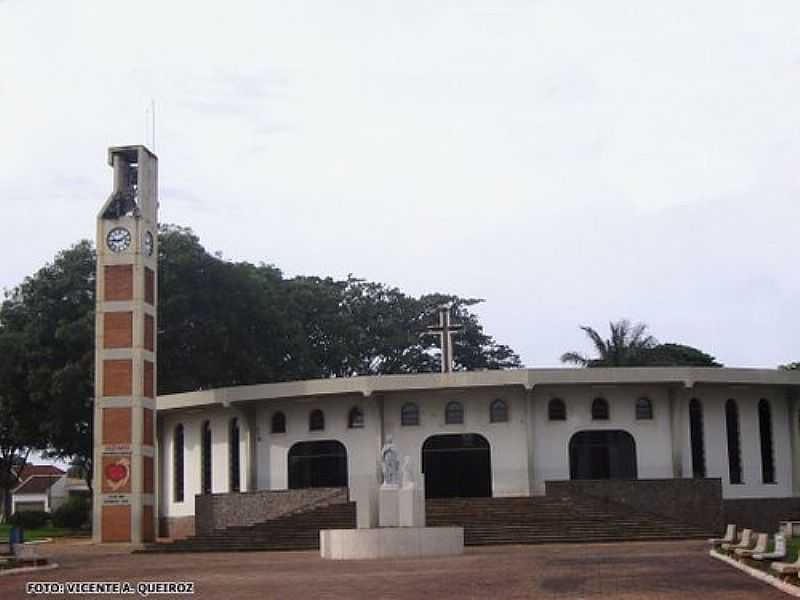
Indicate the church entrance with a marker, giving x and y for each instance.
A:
(457, 466)
(602, 455)
(317, 464)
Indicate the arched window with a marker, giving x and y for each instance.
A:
(454, 413)
(765, 429)
(205, 460)
(696, 435)
(278, 422)
(233, 455)
(177, 463)
(557, 410)
(644, 409)
(498, 411)
(600, 409)
(734, 450)
(409, 414)
(316, 420)
(355, 420)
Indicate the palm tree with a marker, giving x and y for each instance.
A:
(628, 346)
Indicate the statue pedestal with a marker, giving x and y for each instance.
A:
(401, 519)
(389, 505)
(388, 542)
(411, 501)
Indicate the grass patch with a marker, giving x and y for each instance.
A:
(792, 549)
(39, 534)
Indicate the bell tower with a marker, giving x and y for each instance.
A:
(124, 508)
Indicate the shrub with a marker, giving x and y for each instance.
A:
(73, 514)
(29, 519)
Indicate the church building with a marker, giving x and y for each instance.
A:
(486, 434)
(483, 434)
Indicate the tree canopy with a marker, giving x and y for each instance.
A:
(46, 371)
(631, 346)
(220, 323)
(679, 355)
(231, 323)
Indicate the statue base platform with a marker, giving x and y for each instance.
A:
(390, 542)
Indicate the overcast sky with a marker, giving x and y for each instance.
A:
(571, 162)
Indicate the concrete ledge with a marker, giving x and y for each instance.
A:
(20, 570)
(390, 542)
(776, 582)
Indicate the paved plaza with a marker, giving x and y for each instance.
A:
(656, 571)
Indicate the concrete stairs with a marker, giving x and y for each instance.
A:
(544, 519)
(534, 520)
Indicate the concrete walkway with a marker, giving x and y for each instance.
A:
(654, 570)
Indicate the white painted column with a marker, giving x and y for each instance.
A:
(253, 431)
(792, 406)
(678, 402)
(530, 424)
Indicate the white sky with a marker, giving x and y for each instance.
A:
(569, 161)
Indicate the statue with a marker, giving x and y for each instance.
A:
(408, 475)
(401, 498)
(390, 463)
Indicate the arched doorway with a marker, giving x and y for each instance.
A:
(317, 464)
(457, 466)
(602, 454)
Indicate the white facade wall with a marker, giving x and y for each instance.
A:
(30, 498)
(508, 442)
(550, 439)
(192, 421)
(526, 451)
(362, 444)
(58, 494)
(713, 400)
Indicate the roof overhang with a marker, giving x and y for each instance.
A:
(686, 377)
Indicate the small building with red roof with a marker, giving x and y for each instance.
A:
(44, 488)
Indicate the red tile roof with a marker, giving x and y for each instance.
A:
(30, 470)
(38, 484)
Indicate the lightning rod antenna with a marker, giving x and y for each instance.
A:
(150, 125)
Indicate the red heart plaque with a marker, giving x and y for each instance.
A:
(116, 472)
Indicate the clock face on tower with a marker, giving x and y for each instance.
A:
(118, 239)
(148, 243)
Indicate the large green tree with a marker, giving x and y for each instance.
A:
(22, 417)
(220, 323)
(679, 355)
(227, 323)
(631, 346)
(51, 315)
(19, 418)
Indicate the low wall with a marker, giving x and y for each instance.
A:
(694, 501)
(218, 511)
(176, 527)
(761, 514)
